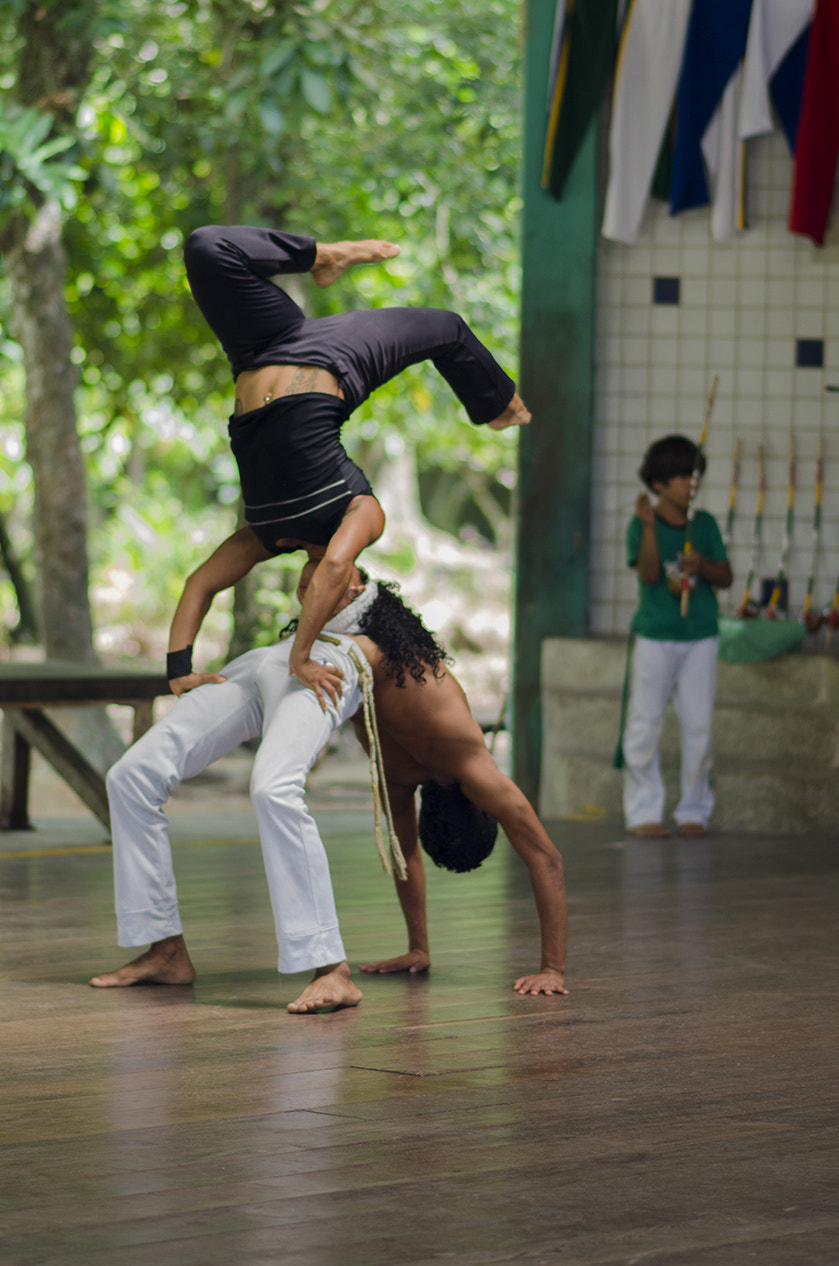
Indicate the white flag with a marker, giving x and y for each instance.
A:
(649, 61)
(774, 27)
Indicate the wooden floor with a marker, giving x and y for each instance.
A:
(678, 1107)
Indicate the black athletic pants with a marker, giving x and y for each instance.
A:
(258, 324)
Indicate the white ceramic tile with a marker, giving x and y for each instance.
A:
(751, 353)
(722, 322)
(635, 351)
(777, 406)
(723, 292)
(694, 292)
(810, 294)
(638, 290)
(610, 379)
(780, 324)
(634, 411)
(808, 383)
(721, 354)
(633, 442)
(749, 382)
(721, 261)
(782, 262)
(665, 319)
(809, 324)
(638, 262)
(809, 417)
(663, 381)
(693, 323)
(692, 352)
(778, 384)
(664, 352)
(751, 294)
(662, 411)
(635, 379)
(749, 413)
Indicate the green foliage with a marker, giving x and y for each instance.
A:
(27, 160)
(391, 120)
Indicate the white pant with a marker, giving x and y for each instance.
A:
(259, 697)
(687, 673)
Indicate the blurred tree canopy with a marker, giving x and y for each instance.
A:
(123, 126)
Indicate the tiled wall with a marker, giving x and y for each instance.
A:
(744, 306)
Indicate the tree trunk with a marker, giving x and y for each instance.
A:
(37, 269)
(26, 629)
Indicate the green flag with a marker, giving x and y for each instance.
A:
(585, 48)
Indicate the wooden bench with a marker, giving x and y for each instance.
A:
(25, 690)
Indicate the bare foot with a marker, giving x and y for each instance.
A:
(516, 414)
(650, 831)
(334, 258)
(165, 962)
(693, 828)
(330, 988)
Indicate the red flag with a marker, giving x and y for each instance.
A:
(817, 143)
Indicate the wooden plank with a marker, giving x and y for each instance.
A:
(42, 734)
(54, 683)
(14, 778)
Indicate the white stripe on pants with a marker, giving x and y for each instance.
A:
(687, 673)
(203, 725)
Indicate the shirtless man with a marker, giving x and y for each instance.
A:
(298, 379)
(429, 735)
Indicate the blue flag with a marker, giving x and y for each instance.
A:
(715, 46)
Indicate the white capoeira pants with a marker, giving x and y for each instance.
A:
(258, 697)
(687, 673)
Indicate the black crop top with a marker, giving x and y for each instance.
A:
(296, 477)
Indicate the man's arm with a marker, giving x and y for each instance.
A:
(485, 785)
(233, 559)
(411, 891)
(363, 523)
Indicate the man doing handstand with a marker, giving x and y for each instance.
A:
(297, 381)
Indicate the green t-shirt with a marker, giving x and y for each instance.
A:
(659, 611)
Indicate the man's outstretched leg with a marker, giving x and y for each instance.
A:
(330, 988)
(166, 962)
(332, 259)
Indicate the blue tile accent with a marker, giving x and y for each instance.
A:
(809, 353)
(666, 290)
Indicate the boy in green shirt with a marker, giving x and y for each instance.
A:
(674, 656)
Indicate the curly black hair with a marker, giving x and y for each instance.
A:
(401, 636)
(406, 644)
(454, 832)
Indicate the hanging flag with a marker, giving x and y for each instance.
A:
(649, 60)
(724, 156)
(778, 34)
(787, 87)
(716, 43)
(583, 59)
(817, 143)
